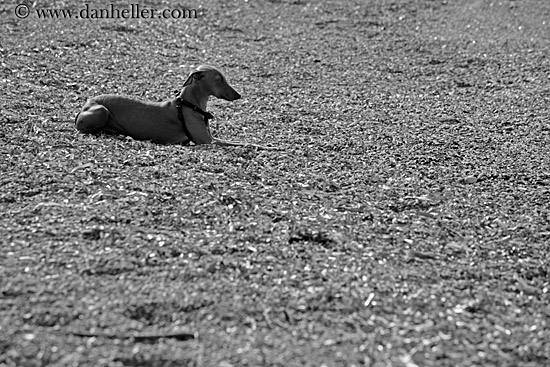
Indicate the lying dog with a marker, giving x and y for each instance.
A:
(177, 121)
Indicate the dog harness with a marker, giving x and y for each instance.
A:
(179, 104)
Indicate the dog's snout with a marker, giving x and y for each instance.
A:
(232, 95)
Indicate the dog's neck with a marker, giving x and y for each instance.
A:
(192, 94)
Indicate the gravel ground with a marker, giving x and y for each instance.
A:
(404, 222)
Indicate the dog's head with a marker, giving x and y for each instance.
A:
(213, 82)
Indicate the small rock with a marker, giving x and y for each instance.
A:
(469, 179)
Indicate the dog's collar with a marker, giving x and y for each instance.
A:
(180, 102)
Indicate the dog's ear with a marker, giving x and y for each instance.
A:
(198, 75)
(194, 75)
(189, 80)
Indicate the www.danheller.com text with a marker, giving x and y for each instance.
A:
(133, 11)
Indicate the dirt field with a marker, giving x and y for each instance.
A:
(405, 221)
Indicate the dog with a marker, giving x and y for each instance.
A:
(177, 121)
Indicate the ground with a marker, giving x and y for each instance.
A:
(404, 222)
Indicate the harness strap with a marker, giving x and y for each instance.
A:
(179, 104)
